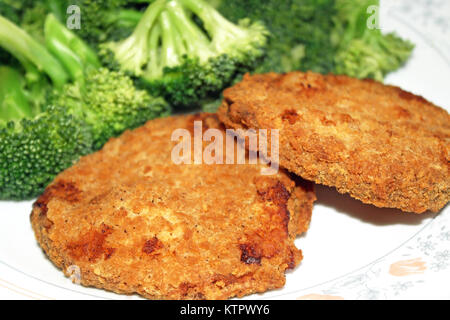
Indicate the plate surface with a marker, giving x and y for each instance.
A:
(352, 250)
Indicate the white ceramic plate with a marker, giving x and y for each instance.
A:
(352, 250)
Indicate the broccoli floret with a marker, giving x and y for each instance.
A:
(373, 56)
(63, 106)
(364, 52)
(299, 32)
(323, 36)
(132, 53)
(186, 51)
(110, 104)
(106, 20)
(33, 151)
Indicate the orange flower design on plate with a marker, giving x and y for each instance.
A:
(407, 267)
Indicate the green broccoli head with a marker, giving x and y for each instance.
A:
(32, 151)
(191, 81)
(363, 52)
(185, 50)
(110, 103)
(101, 19)
(299, 31)
(373, 57)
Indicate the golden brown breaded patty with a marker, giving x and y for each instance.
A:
(134, 222)
(382, 145)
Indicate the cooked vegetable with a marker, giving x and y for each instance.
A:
(322, 35)
(186, 51)
(34, 145)
(14, 102)
(101, 20)
(365, 52)
(58, 105)
(33, 151)
(110, 104)
(104, 20)
(300, 31)
(28, 51)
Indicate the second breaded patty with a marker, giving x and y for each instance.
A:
(382, 145)
(132, 221)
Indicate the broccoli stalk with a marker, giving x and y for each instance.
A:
(154, 68)
(169, 50)
(197, 44)
(186, 51)
(73, 53)
(132, 53)
(125, 18)
(25, 48)
(54, 29)
(14, 103)
(226, 35)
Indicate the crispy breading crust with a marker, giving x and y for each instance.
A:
(382, 145)
(134, 222)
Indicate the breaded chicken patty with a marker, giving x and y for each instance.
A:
(132, 221)
(378, 143)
